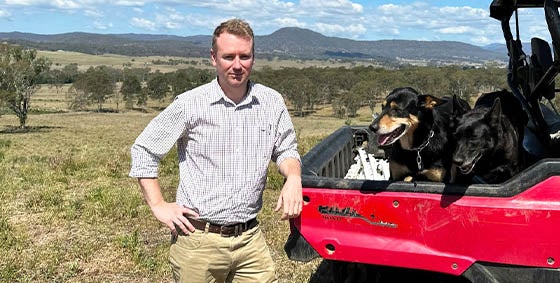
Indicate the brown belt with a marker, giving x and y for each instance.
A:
(223, 230)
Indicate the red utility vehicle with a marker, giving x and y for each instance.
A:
(384, 231)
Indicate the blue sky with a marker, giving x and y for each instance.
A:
(465, 21)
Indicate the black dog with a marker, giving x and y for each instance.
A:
(489, 139)
(422, 125)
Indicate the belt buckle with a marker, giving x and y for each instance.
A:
(227, 234)
(222, 233)
(237, 230)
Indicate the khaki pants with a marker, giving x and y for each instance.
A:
(208, 257)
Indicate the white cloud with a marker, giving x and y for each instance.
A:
(388, 8)
(422, 21)
(385, 31)
(21, 2)
(455, 30)
(129, 3)
(332, 6)
(66, 4)
(242, 5)
(172, 20)
(143, 23)
(5, 14)
(60, 4)
(482, 40)
(93, 13)
(102, 25)
(329, 29)
(74, 4)
(464, 12)
(538, 31)
(289, 22)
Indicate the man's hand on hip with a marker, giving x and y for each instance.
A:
(173, 215)
(167, 213)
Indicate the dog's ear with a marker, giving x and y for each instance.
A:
(428, 101)
(460, 106)
(494, 115)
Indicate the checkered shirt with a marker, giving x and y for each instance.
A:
(224, 149)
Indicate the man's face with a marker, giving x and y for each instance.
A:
(233, 60)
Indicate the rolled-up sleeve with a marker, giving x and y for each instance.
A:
(144, 163)
(156, 140)
(286, 143)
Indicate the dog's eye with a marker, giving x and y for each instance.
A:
(397, 112)
(473, 143)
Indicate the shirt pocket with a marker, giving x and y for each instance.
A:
(259, 152)
(263, 137)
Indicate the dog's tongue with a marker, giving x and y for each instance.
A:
(383, 139)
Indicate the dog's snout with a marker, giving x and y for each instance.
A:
(374, 127)
(457, 160)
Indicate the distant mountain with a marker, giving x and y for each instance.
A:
(502, 48)
(299, 43)
(124, 44)
(285, 43)
(496, 47)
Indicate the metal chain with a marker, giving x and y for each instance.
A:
(418, 149)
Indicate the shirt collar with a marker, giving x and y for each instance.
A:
(218, 94)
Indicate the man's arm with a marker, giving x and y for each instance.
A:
(167, 213)
(291, 198)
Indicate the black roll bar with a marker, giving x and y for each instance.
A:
(522, 79)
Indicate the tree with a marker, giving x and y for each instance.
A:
(460, 86)
(324, 86)
(20, 71)
(130, 89)
(71, 72)
(142, 99)
(181, 81)
(93, 86)
(368, 91)
(56, 79)
(346, 104)
(157, 86)
(300, 91)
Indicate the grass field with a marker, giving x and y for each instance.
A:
(84, 61)
(69, 213)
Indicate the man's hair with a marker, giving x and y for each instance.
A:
(236, 27)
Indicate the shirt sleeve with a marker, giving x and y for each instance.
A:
(286, 143)
(156, 140)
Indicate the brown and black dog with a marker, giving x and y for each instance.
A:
(418, 129)
(489, 139)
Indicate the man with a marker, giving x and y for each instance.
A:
(227, 132)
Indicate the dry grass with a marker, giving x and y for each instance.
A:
(69, 213)
(84, 61)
